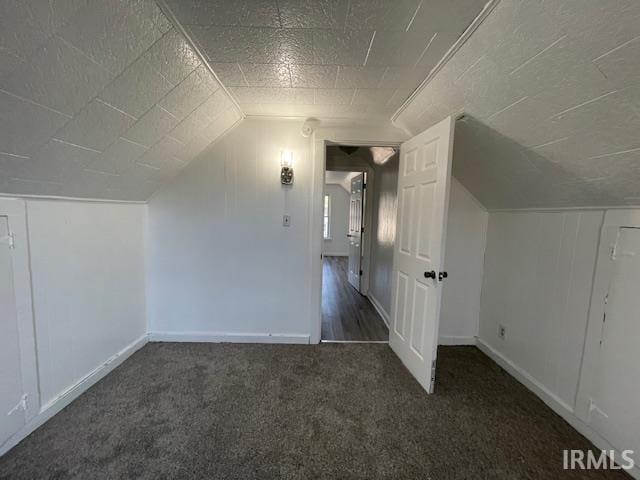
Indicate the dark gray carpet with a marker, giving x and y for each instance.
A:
(220, 411)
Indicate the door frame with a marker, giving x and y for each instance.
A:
(613, 221)
(323, 137)
(16, 210)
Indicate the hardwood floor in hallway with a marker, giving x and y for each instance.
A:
(346, 314)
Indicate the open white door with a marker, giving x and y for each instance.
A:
(423, 199)
(356, 206)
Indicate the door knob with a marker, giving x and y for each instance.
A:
(442, 275)
(431, 274)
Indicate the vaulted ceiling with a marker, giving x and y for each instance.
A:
(100, 99)
(551, 94)
(324, 58)
(112, 98)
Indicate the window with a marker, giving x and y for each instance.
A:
(326, 218)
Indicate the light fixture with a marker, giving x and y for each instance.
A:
(382, 154)
(286, 164)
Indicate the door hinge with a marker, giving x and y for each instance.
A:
(364, 185)
(361, 229)
(433, 371)
(8, 240)
(22, 405)
(360, 272)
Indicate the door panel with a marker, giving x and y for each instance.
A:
(421, 296)
(406, 225)
(614, 409)
(402, 287)
(11, 390)
(356, 206)
(426, 200)
(423, 183)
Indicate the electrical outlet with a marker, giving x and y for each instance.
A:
(502, 331)
(286, 220)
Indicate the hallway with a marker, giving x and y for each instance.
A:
(346, 314)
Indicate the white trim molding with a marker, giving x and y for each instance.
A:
(226, 337)
(56, 404)
(382, 342)
(551, 399)
(563, 209)
(16, 196)
(380, 309)
(456, 341)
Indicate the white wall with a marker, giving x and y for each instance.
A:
(339, 224)
(220, 262)
(87, 263)
(383, 232)
(464, 261)
(537, 283)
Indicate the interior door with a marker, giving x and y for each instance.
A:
(356, 206)
(11, 414)
(614, 404)
(423, 198)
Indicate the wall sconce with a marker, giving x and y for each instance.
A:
(286, 172)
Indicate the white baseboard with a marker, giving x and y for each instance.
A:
(224, 337)
(56, 404)
(383, 313)
(453, 341)
(553, 401)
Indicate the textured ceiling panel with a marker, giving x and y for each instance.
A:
(102, 98)
(265, 50)
(552, 102)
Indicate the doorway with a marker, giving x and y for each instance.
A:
(359, 220)
(423, 178)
